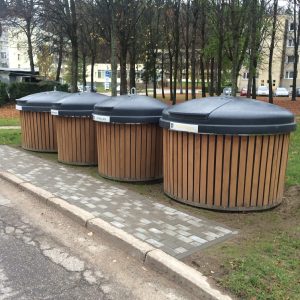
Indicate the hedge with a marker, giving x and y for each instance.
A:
(18, 90)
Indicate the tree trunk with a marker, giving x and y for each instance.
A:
(162, 74)
(171, 75)
(193, 52)
(74, 44)
(30, 52)
(272, 50)
(220, 47)
(123, 70)
(181, 74)
(84, 71)
(212, 76)
(296, 47)
(132, 75)
(92, 72)
(60, 57)
(113, 53)
(187, 46)
(202, 72)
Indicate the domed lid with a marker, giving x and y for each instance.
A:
(40, 102)
(228, 115)
(79, 104)
(130, 108)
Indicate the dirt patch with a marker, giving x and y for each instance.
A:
(9, 111)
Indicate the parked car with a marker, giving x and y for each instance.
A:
(297, 92)
(243, 92)
(281, 92)
(262, 91)
(227, 91)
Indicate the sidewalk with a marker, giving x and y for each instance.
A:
(176, 233)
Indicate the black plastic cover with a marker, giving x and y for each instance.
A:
(130, 108)
(79, 104)
(228, 115)
(40, 102)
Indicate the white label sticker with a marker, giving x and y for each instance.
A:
(184, 127)
(99, 118)
(18, 107)
(54, 112)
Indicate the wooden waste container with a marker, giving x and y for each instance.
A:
(226, 153)
(76, 137)
(129, 138)
(38, 127)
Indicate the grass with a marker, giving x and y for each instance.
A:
(293, 169)
(10, 137)
(262, 261)
(9, 121)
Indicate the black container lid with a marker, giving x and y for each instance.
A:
(130, 108)
(40, 102)
(79, 104)
(228, 115)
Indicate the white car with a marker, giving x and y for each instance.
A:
(262, 91)
(281, 92)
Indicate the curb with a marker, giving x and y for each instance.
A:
(184, 275)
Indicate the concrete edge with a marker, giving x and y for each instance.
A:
(177, 271)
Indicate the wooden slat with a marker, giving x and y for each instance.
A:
(184, 165)
(171, 162)
(197, 160)
(218, 171)
(262, 173)
(148, 151)
(203, 178)
(211, 170)
(268, 171)
(165, 159)
(249, 171)
(190, 176)
(175, 162)
(242, 171)
(233, 171)
(179, 165)
(226, 171)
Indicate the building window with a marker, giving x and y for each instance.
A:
(289, 74)
(101, 74)
(290, 43)
(290, 58)
(292, 26)
(3, 55)
(246, 75)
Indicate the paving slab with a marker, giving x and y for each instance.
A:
(173, 231)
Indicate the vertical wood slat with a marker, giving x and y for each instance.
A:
(76, 141)
(38, 131)
(138, 151)
(225, 172)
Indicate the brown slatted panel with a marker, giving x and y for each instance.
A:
(148, 151)
(280, 145)
(218, 171)
(184, 165)
(143, 150)
(268, 171)
(226, 171)
(108, 149)
(203, 172)
(165, 159)
(284, 159)
(179, 165)
(197, 160)
(190, 176)
(211, 170)
(263, 168)
(234, 171)
(242, 171)
(175, 162)
(249, 171)
(171, 162)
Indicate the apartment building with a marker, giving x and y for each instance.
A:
(14, 62)
(283, 59)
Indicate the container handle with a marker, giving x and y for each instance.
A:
(133, 91)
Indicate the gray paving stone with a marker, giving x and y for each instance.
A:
(158, 224)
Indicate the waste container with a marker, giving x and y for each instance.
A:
(76, 138)
(226, 153)
(37, 125)
(129, 138)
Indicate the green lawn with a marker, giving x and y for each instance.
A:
(9, 121)
(293, 170)
(10, 137)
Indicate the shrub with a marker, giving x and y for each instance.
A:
(3, 94)
(20, 89)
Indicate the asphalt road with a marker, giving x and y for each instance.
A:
(44, 255)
